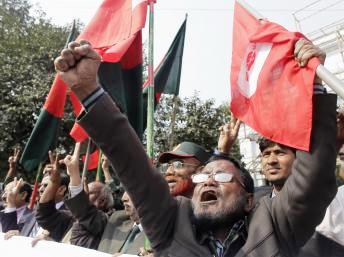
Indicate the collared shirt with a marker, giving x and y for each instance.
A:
(58, 205)
(20, 211)
(75, 190)
(234, 241)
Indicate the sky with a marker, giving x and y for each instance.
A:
(207, 51)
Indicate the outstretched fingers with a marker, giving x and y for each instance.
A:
(51, 157)
(16, 152)
(77, 148)
(18, 185)
(236, 126)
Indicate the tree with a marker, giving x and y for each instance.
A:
(28, 46)
(196, 121)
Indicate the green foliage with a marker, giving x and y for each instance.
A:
(196, 120)
(28, 46)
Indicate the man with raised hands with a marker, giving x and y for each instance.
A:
(52, 214)
(214, 222)
(16, 217)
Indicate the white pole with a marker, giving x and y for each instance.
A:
(331, 80)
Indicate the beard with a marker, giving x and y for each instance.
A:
(224, 217)
(182, 187)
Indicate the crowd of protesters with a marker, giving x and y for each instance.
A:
(195, 202)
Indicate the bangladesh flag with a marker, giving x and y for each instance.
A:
(44, 134)
(167, 74)
(116, 35)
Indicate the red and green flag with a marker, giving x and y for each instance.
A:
(115, 32)
(167, 74)
(45, 132)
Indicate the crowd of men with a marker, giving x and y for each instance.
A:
(196, 202)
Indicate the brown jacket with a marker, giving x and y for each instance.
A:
(90, 222)
(278, 227)
(105, 235)
(116, 232)
(57, 222)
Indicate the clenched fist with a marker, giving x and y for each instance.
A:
(78, 66)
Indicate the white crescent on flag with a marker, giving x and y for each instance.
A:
(252, 64)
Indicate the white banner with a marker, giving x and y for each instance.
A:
(19, 246)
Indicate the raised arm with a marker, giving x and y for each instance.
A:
(110, 129)
(88, 216)
(55, 221)
(12, 164)
(228, 136)
(302, 202)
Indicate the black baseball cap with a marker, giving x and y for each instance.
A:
(184, 150)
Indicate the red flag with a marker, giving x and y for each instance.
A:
(77, 132)
(114, 32)
(92, 161)
(269, 90)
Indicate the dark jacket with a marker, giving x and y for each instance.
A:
(113, 234)
(90, 222)
(279, 226)
(318, 245)
(321, 246)
(25, 224)
(116, 233)
(57, 222)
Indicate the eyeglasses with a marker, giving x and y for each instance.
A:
(176, 165)
(220, 176)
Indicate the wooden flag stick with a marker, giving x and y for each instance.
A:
(99, 167)
(330, 79)
(84, 170)
(35, 187)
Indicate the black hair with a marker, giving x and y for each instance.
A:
(64, 181)
(245, 174)
(26, 187)
(265, 143)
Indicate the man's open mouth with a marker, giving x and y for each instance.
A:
(171, 181)
(208, 196)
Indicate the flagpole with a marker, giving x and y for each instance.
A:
(71, 35)
(35, 188)
(84, 170)
(173, 121)
(150, 100)
(99, 168)
(331, 80)
(150, 105)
